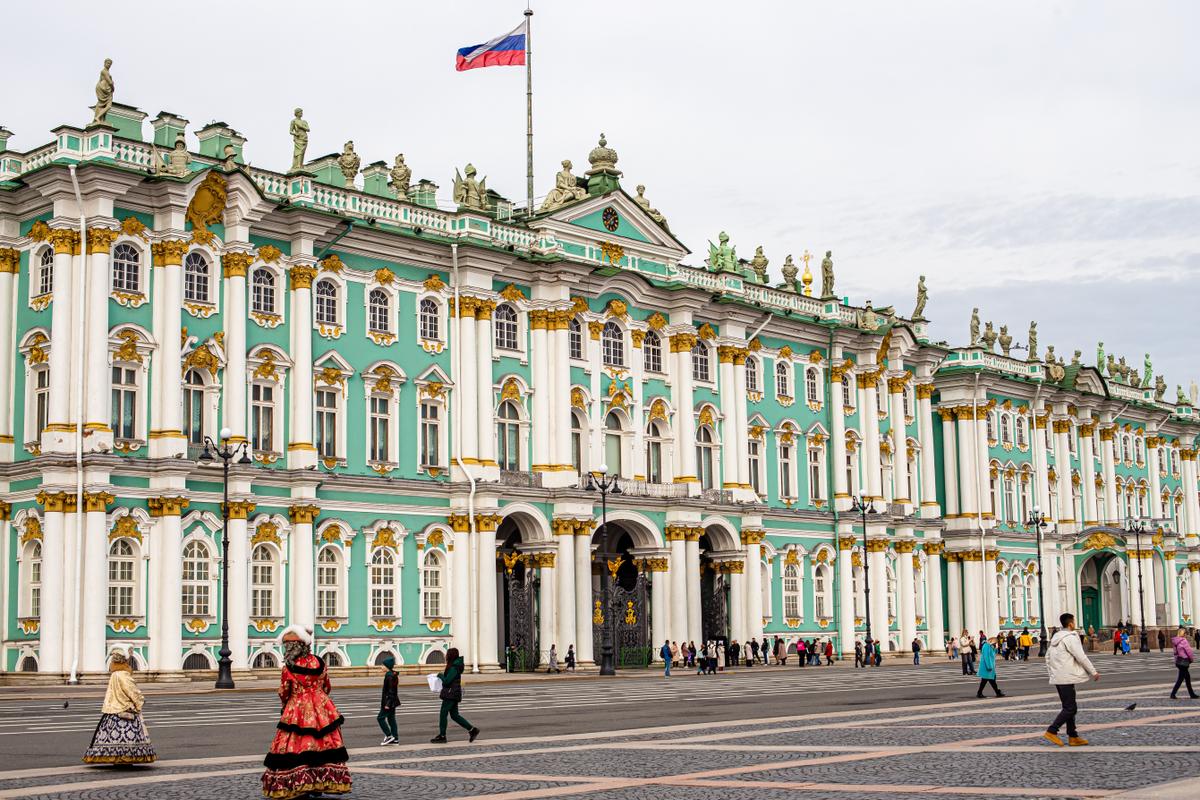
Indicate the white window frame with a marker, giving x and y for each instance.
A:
(518, 424)
(815, 470)
(502, 328)
(30, 573)
(612, 345)
(208, 583)
(274, 586)
(701, 354)
(264, 291)
(321, 303)
(656, 439)
(431, 325)
(36, 395)
(438, 591)
(338, 568)
(335, 415)
(377, 588)
(132, 584)
(576, 349)
(129, 371)
(822, 576)
(709, 451)
(372, 310)
(439, 433)
(793, 590)
(275, 439)
(756, 459)
(783, 380)
(785, 463)
(131, 279)
(579, 441)
(208, 284)
(753, 375)
(41, 272)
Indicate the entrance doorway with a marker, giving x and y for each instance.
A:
(518, 612)
(627, 609)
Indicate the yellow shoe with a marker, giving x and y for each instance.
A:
(1052, 738)
(1077, 741)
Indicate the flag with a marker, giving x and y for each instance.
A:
(507, 50)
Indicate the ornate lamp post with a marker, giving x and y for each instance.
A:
(226, 452)
(1035, 522)
(1137, 529)
(863, 505)
(606, 484)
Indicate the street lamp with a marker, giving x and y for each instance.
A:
(606, 484)
(226, 451)
(1035, 521)
(863, 505)
(1137, 529)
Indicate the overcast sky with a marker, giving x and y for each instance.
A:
(1038, 159)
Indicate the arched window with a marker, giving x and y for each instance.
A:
(577, 440)
(265, 661)
(31, 567)
(262, 582)
(329, 582)
(1032, 611)
(652, 359)
(783, 379)
(194, 590)
(847, 390)
(1005, 429)
(383, 583)
(613, 444)
(654, 452)
(45, 273)
(506, 327)
(1020, 426)
(1010, 499)
(765, 580)
(752, 381)
(822, 584)
(379, 312)
(1016, 599)
(705, 456)
(331, 658)
(701, 363)
(575, 338)
(121, 579)
(193, 406)
(124, 401)
(907, 403)
(432, 583)
(612, 345)
(262, 297)
(991, 426)
(195, 277)
(196, 661)
(325, 295)
(431, 319)
(812, 385)
(126, 266)
(791, 592)
(891, 591)
(508, 436)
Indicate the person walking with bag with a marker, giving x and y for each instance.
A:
(1183, 662)
(571, 657)
(389, 702)
(1068, 666)
(121, 736)
(451, 695)
(987, 668)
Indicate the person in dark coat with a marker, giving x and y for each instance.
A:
(389, 702)
(451, 696)
(753, 650)
(858, 654)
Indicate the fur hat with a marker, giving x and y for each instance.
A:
(302, 632)
(119, 656)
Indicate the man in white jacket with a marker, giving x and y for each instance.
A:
(1068, 665)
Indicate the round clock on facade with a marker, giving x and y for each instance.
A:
(610, 219)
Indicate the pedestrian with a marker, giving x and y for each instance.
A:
(987, 668)
(1124, 643)
(801, 650)
(878, 653)
(1117, 640)
(718, 656)
(307, 755)
(951, 648)
(964, 652)
(858, 654)
(674, 652)
(121, 736)
(753, 650)
(1068, 666)
(1183, 663)
(916, 651)
(735, 651)
(552, 661)
(451, 695)
(829, 653)
(1162, 640)
(1025, 642)
(389, 701)
(570, 660)
(666, 657)
(691, 661)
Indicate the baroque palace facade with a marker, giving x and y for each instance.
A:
(420, 392)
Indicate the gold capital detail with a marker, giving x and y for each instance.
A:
(167, 506)
(64, 240)
(169, 252)
(846, 542)
(905, 545)
(99, 240)
(877, 545)
(933, 548)
(239, 509)
(1107, 433)
(487, 522)
(61, 502)
(236, 264)
(303, 514)
(683, 342)
(99, 501)
(925, 391)
(1062, 426)
(302, 277)
(10, 260)
(595, 327)
(753, 535)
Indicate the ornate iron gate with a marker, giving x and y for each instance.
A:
(629, 612)
(521, 629)
(714, 606)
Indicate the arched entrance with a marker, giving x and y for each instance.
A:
(627, 610)
(517, 609)
(718, 550)
(1102, 591)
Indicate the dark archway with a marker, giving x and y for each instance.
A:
(627, 609)
(517, 613)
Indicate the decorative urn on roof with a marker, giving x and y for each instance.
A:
(603, 176)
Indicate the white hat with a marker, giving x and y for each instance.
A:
(302, 632)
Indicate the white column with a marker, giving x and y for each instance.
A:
(236, 562)
(907, 589)
(70, 597)
(562, 387)
(870, 425)
(50, 629)
(1171, 587)
(93, 614)
(564, 574)
(737, 601)
(301, 598)
(742, 429)
(752, 540)
(837, 427)
(97, 375)
(466, 422)
(461, 626)
(547, 618)
(677, 573)
(1062, 457)
(1140, 581)
(1152, 465)
(1050, 583)
(845, 568)
(483, 381)
(982, 465)
(692, 560)
(950, 463)
(1112, 514)
(170, 552)
(899, 453)
(933, 595)
(234, 384)
(954, 593)
(967, 481)
(301, 451)
(991, 601)
(10, 266)
(685, 419)
(167, 438)
(1191, 500)
(1041, 464)
(659, 604)
(1087, 474)
(540, 416)
(929, 501)
(1194, 577)
(731, 451)
(62, 352)
(877, 559)
(485, 529)
(972, 585)
(637, 466)
(583, 593)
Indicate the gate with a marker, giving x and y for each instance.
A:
(714, 605)
(629, 612)
(522, 653)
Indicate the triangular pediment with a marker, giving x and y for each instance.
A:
(614, 217)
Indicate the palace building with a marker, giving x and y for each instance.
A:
(421, 394)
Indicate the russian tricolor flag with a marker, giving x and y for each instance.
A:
(507, 50)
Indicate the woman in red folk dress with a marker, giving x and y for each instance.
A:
(307, 755)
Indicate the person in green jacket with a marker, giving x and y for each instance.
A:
(451, 696)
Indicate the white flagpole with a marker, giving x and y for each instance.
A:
(529, 109)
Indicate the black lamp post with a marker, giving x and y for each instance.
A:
(226, 452)
(863, 505)
(606, 484)
(1137, 529)
(1035, 522)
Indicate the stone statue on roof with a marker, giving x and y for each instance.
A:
(1077, 358)
(1033, 356)
(1050, 354)
(468, 192)
(1123, 370)
(401, 177)
(566, 189)
(1160, 388)
(299, 133)
(827, 275)
(759, 265)
(1005, 340)
(989, 337)
(1195, 393)
(653, 213)
(1180, 398)
(867, 319)
(1110, 367)
(348, 162)
(1147, 372)
(722, 257)
(178, 160)
(1100, 357)
(789, 271)
(105, 88)
(918, 314)
(974, 331)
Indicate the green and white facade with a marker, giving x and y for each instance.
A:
(420, 391)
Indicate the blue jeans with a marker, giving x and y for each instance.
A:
(667, 666)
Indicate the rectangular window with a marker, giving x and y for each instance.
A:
(327, 581)
(262, 416)
(326, 423)
(124, 402)
(42, 393)
(430, 431)
(654, 462)
(379, 428)
(195, 599)
(261, 595)
(433, 592)
(755, 457)
(814, 473)
(785, 471)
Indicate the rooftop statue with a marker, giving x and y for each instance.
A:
(1122, 370)
(1075, 359)
(759, 264)
(1160, 388)
(104, 94)
(827, 275)
(177, 162)
(1049, 354)
(989, 337)
(1147, 372)
(468, 192)
(789, 271)
(299, 133)
(918, 314)
(1100, 357)
(1195, 393)
(1005, 340)
(867, 319)
(1180, 398)
(566, 189)
(1110, 366)
(401, 177)
(722, 257)
(645, 204)
(974, 331)
(348, 162)
(1033, 356)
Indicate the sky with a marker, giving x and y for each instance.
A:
(1035, 158)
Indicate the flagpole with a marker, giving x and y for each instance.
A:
(529, 110)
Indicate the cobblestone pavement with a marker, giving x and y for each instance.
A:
(958, 749)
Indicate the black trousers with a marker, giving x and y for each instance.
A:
(1185, 676)
(984, 682)
(1066, 694)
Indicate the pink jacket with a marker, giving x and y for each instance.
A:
(1182, 648)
